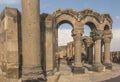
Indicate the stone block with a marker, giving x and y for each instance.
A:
(98, 68)
(12, 73)
(78, 70)
(108, 66)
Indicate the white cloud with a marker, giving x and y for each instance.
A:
(65, 37)
(117, 17)
(8, 2)
(115, 43)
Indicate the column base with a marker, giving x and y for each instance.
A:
(32, 74)
(98, 67)
(49, 73)
(78, 70)
(108, 66)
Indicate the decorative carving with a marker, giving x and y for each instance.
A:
(83, 14)
(77, 31)
(88, 40)
(97, 34)
(107, 17)
(107, 34)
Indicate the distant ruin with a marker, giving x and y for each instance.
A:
(29, 41)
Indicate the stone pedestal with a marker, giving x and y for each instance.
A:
(108, 65)
(98, 67)
(31, 40)
(78, 70)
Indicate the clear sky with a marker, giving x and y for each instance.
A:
(102, 6)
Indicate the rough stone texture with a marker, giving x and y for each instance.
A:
(78, 70)
(9, 39)
(39, 47)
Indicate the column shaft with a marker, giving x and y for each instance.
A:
(77, 51)
(107, 52)
(107, 61)
(97, 52)
(31, 38)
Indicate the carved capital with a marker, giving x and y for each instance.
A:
(97, 34)
(77, 37)
(77, 31)
(107, 34)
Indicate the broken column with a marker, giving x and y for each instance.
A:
(31, 39)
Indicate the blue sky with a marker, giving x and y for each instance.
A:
(49, 6)
(101, 6)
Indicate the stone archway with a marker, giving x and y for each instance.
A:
(61, 17)
(77, 20)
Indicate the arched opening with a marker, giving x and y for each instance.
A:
(89, 27)
(106, 27)
(64, 34)
(64, 37)
(87, 30)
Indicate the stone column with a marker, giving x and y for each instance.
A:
(97, 66)
(77, 35)
(31, 39)
(107, 61)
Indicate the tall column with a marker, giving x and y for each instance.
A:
(97, 65)
(107, 61)
(77, 36)
(31, 39)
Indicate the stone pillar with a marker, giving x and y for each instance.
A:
(107, 61)
(49, 57)
(31, 40)
(97, 66)
(77, 35)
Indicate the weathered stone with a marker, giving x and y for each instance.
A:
(29, 52)
(78, 70)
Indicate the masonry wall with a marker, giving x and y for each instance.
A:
(9, 42)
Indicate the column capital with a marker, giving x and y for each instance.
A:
(76, 31)
(97, 35)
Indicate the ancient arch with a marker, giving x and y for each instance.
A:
(77, 20)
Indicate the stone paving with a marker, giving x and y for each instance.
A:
(89, 76)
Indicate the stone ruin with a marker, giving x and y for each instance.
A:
(29, 41)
